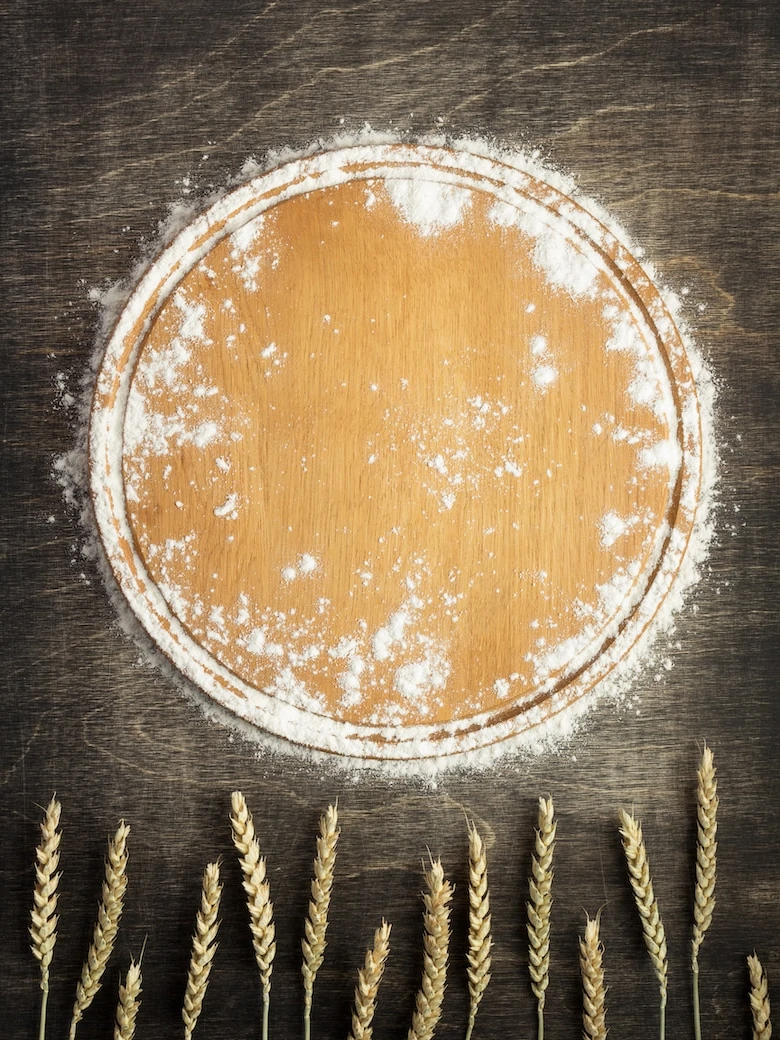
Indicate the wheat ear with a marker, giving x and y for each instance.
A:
(644, 897)
(106, 927)
(706, 868)
(480, 941)
(594, 992)
(258, 900)
(43, 930)
(316, 925)
(436, 944)
(128, 1004)
(369, 977)
(203, 948)
(759, 999)
(540, 907)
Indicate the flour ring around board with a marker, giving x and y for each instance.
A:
(396, 451)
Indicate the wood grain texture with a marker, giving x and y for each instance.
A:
(668, 113)
(340, 469)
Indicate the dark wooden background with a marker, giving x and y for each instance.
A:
(668, 113)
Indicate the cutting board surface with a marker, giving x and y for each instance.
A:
(396, 452)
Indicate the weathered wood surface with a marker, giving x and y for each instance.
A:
(668, 113)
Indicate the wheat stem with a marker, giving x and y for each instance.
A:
(106, 927)
(594, 991)
(128, 1004)
(540, 907)
(369, 977)
(43, 930)
(696, 1004)
(316, 924)
(204, 946)
(258, 900)
(706, 868)
(436, 943)
(644, 897)
(480, 941)
(759, 999)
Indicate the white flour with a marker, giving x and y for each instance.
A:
(288, 706)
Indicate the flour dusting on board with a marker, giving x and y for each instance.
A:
(366, 553)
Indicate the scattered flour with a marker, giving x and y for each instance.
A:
(434, 196)
(429, 205)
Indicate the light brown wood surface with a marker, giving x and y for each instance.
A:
(376, 458)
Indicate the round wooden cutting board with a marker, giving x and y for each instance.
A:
(395, 451)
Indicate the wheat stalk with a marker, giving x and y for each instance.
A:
(43, 931)
(594, 992)
(759, 999)
(540, 907)
(203, 948)
(644, 897)
(316, 925)
(369, 977)
(128, 1004)
(258, 901)
(436, 942)
(106, 927)
(480, 941)
(706, 868)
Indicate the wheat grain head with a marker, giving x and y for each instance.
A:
(316, 924)
(759, 999)
(128, 1004)
(644, 897)
(43, 930)
(106, 927)
(256, 887)
(480, 941)
(540, 902)
(369, 977)
(594, 992)
(706, 851)
(436, 943)
(204, 946)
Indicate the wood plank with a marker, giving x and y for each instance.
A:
(668, 114)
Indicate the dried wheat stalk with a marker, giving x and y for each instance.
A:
(759, 999)
(540, 907)
(128, 1004)
(436, 943)
(706, 868)
(644, 897)
(204, 947)
(594, 992)
(706, 850)
(106, 927)
(258, 899)
(43, 930)
(369, 977)
(480, 941)
(316, 925)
